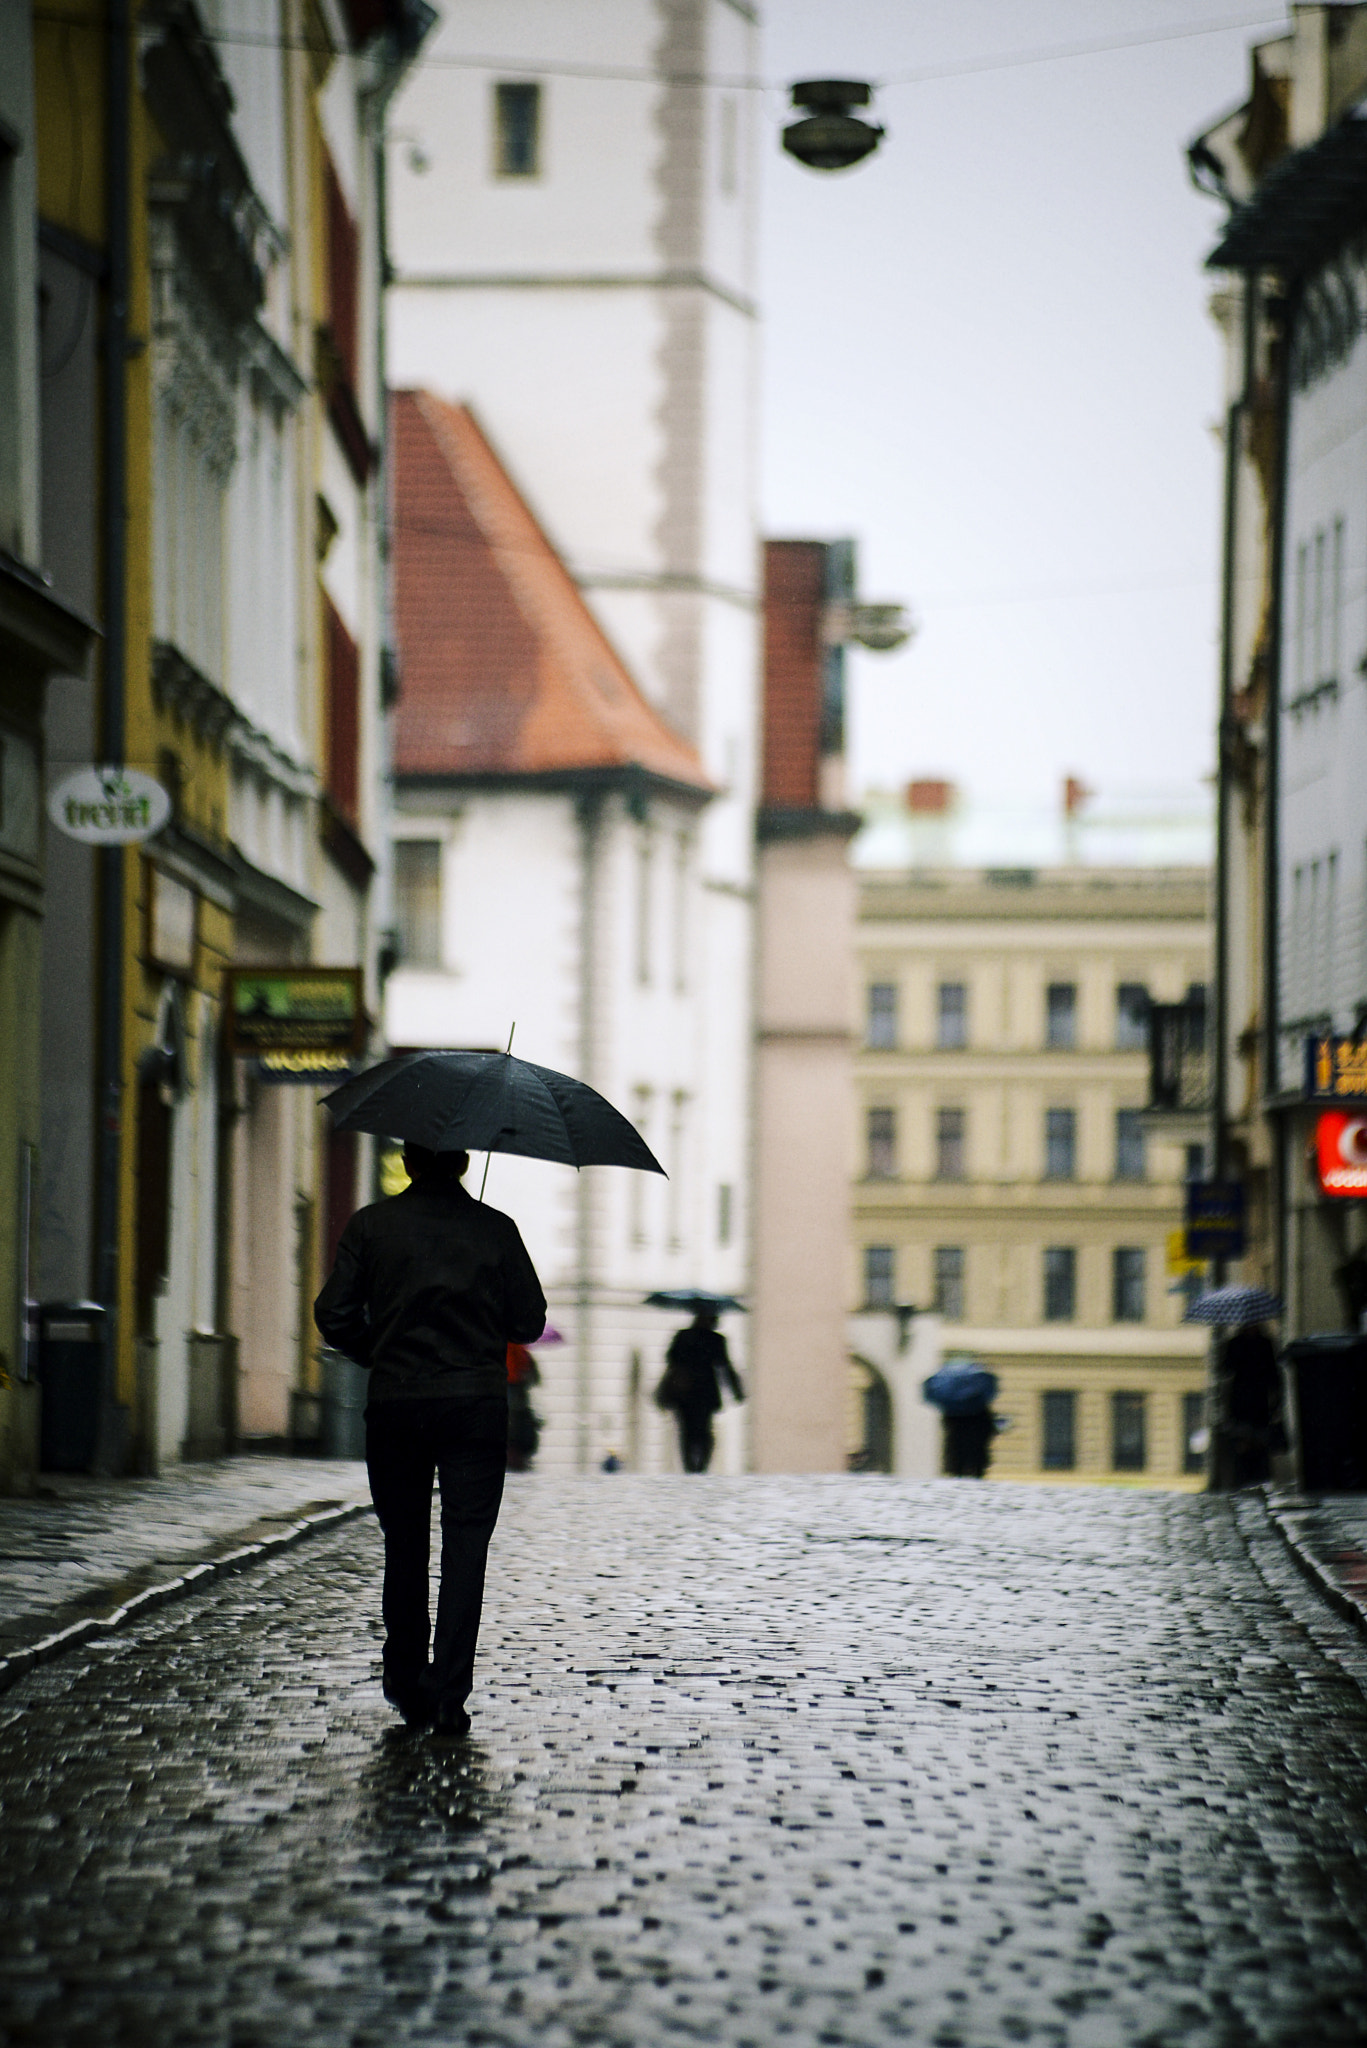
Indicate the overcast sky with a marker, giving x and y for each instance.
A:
(988, 356)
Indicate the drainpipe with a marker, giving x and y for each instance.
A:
(118, 82)
(590, 813)
(1234, 436)
(1272, 801)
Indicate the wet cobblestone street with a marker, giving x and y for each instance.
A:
(813, 1761)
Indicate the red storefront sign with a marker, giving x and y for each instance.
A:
(1341, 1141)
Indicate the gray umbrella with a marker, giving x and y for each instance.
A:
(1234, 1305)
(694, 1298)
(489, 1102)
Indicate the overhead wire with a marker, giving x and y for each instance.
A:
(638, 74)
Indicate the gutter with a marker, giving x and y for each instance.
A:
(1272, 791)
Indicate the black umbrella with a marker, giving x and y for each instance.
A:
(694, 1299)
(489, 1102)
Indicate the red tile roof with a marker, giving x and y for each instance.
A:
(504, 669)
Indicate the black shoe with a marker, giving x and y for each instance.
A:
(451, 1723)
(414, 1702)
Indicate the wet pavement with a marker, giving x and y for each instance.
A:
(76, 1547)
(755, 1760)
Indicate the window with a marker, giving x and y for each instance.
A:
(517, 130)
(1194, 1162)
(678, 1113)
(1060, 1144)
(417, 901)
(343, 680)
(949, 1144)
(1129, 1144)
(952, 1024)
(878, 1276)
(644, 884)
(1060, 1031)
(728, 152)
(882, 1025)
(1334, 635)
(1131, 1017)
(882, 1144)
(949, 1282)
(1129, 1451)
(1127, 1283)
(1194, 1439)
(1060, 1283)
(725, 1204)
(641, 1110)
(682, 850)
(343, 275)
(1058, 1416)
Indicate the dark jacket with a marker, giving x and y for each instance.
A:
(429, 1289)
(696, 1360)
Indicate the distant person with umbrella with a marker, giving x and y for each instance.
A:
(1249, 1426)
(964, 1391)
(697, 1367)
(429, 1289)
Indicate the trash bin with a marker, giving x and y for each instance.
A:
(344, 1398)
(71, 1369)
(1328, 1375)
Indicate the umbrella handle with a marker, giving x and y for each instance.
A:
(484, 1181)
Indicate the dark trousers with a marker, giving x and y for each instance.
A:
(463, 1445)
(695, 1438)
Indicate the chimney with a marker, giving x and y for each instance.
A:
(929, 797)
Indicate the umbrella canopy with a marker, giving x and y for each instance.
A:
(1231, 1305)
(962, 1387)
(489, 1102)
(694, 1299)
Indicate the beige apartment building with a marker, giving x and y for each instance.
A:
(1008, 1176)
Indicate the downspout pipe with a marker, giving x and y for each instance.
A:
(1272, 796)
(113, 710)
(1235, 423)
(590, 810)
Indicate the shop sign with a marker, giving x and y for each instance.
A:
(317, 1069)
(1215, 1219)
(1335, 1068)
(293, 1010)
(1341, 1147)
(1180, 1263)
(109, 806)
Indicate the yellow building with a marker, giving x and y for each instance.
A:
(208, 422)
(1006, 1175)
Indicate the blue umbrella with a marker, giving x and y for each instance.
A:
(961, 1387)
(1234, 1305)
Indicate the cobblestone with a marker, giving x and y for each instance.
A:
(837, 1761)
(79, 1546)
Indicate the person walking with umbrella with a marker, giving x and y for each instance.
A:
(697, 1366)
(964, 1391)
(429, 1289)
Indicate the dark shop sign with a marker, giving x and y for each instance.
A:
(1335, 1068)
(1215, 1219)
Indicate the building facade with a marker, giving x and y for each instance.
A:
(573, 255)
(209, 425)
(547, 892)
(1290, 164)
(1006, 1178)
(805, 1005)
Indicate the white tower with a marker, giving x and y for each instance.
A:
(572, 196)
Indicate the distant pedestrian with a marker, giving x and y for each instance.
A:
(968, 1444)
(524, 1424)
(428, 1290)
(697, 1366)
(1251, 1406)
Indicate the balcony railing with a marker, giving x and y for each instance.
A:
(1179, 1059)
